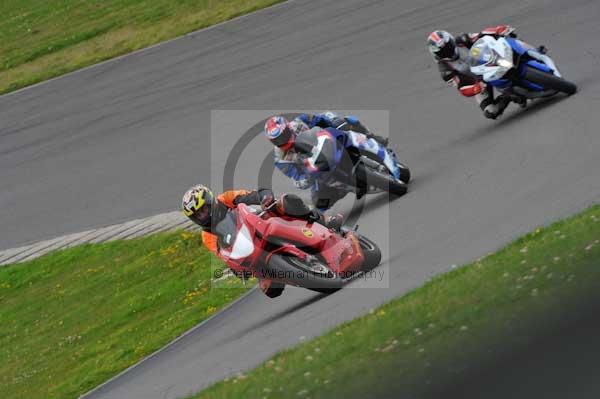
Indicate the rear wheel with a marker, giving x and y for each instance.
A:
(370, 177)
(315, 276)
(549, 81)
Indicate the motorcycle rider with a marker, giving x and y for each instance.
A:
(452, 57)
(203, 208)
(283, 134)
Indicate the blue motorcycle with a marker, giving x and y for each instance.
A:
(517, 69)
(351, 161)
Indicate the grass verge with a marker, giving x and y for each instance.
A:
(41, 39)
(74, 318)
(433, 331)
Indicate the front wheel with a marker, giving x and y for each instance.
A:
(294, 271)
(549, 81)
(371, 252)
(370, 177)
(404, 173)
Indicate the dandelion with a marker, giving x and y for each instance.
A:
(381, 313)
(211, 310)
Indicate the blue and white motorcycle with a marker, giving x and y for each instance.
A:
(517, 69)
(350, 160)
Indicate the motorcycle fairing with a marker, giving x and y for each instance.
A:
(360, 141)
(488, 53)
(325, 154)
(295, 236)
(243, 245)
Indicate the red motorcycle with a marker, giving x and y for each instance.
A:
(287, 250)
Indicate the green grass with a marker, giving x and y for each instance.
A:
(72, 319)
(40, 39)
(431, 333)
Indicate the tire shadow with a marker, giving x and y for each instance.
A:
(283, 313)
(508, 120)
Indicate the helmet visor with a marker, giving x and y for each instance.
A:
(447, 52)
(202, 216)
(284, 138)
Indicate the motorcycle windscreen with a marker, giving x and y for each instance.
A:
(226, 229)
(481, 54)
(325, 155)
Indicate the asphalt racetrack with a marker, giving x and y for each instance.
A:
(124, 139)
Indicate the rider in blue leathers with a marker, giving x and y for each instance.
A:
(283, 134)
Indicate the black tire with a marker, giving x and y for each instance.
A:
(371, 252)
(549, 81)
(384, 181)
(275, 290)
(404, 174)
(294, 272)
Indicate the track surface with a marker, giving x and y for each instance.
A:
(124, 139)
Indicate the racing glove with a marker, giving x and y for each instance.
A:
(267, 201)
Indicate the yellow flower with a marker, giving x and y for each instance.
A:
(211, 310)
